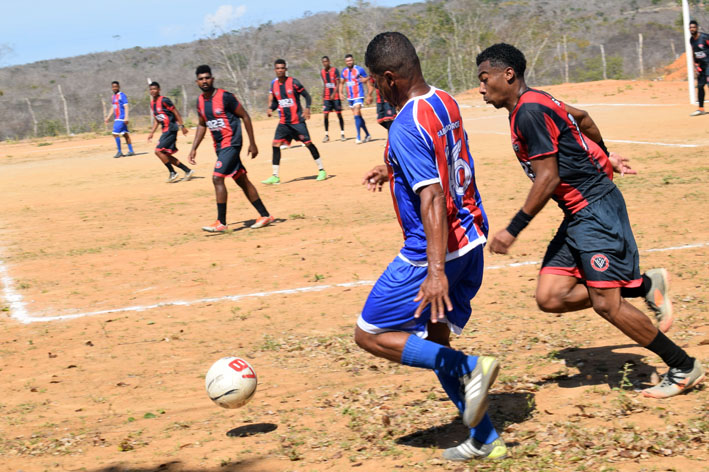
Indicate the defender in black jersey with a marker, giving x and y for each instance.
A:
(700, 49)
(561, 150)
(222, 113)
(165, 114)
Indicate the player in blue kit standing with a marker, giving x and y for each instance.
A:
(425, 293)
(593, 260)
(119, 112)
(354, 78)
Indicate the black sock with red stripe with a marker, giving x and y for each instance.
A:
(670, 353)
(639, 291)
(221, 213)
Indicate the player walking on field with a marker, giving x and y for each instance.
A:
(166, 114)
(331, 96)
(700, 48)
(425, 293)
(354, 79)
(285, 95)
(385, 111)
(119, 112)
(222, 113)
(561, 150)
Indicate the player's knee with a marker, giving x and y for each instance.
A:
(364, 339)
(605, 306)
(217, 180)
(547, 301)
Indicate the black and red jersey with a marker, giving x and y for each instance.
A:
(540, 127)
(379, 96)
(219, 114)
(164, 112)
(286, 97)
(700, 48)
(329, 79)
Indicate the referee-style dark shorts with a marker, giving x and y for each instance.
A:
(385, 112)
(168, 142)
(229, 163)
(331, 105)
(287, 133)
(596, 244)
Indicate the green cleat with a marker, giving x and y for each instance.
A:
(273, 180)
(322, 175)
(474, 449)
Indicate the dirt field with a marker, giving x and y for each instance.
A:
(122, 390)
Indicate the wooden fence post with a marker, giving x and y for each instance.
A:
(66, 110)
(34, 119)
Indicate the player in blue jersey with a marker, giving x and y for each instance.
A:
(425, 293)
(561, 150)
(119, 112)
(354, 79)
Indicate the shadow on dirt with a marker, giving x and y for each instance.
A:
(177, 466)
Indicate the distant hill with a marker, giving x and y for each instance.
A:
(447, 34)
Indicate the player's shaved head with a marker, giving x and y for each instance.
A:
(392, 51)
(502, 55)
(203, 69)
(154, 84)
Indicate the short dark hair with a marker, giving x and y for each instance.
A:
(693, 22)
(115, 82)
(504, 55)
(392, 51)
(154, 84)
(349, 55)
(203, 69)
(279, 61)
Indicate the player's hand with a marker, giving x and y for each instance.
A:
(106, 121)
(368, 100)
(434, 291)
(375, 178)
(150, 137)
(306, 113)
(253, 150)
(185, 130)
(620, 164)
(269, 112)
(192, 157)
(501, 242)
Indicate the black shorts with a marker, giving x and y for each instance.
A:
(596, 244)
(287, 133)
(168, 142)
(331, 105)
(229, 163)
(385, 112)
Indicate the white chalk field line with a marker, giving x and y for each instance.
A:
(18, 309)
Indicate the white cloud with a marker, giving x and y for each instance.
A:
(223, 17)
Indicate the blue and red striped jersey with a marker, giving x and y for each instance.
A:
(119, 101)
(163, 111)
(427, 145)
(286, 97)
(329, 79)
(219, 114)
(542, 127)
(353, 82)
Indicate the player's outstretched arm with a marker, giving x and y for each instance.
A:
(621, 164)
(586, 124)
(546, 180)
(244, 115)
(375, 178)
(434, 290)
(199, 135)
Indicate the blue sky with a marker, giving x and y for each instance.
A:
(42, 29)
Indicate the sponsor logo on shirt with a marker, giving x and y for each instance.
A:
(285, 102)
(449, 127)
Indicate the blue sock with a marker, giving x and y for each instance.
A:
(364, 126)
(118, 143)
(429, 355)
(130, 147)
(484, 431)
(358, 124)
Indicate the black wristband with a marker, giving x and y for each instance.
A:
(518, 223)
(602, 145)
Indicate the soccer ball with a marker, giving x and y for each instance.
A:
(231, 382)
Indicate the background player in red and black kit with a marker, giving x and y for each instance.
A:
(331, 96)
(700, 48)
(166, 114)
(222, 113)
(285, 95)
(386, 112)
(566, 161)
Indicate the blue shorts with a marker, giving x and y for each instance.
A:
(353, 102)
(390, 305)
(596, 244)
(119, 127)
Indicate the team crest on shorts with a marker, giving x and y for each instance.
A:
(218, 165)
(599, 262)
